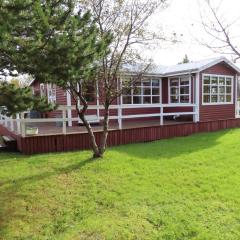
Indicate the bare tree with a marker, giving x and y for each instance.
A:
(128, 21)
(221, 35)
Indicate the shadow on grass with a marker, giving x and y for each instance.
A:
(10, 192)
(170, 148)
(18, 182)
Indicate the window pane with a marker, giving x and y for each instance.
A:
(206, 98)
(228, 81)
(228, 89)
(184, 99)
(174, 99)
(146, 82)
(155, 91)
(214, 89)
(146, 100)
(206, 89)
(228, 98)
(174, 91)
(155, 83)
(214, 98)
(174, 82)
(221, 98)
(214, 80)
(137, 91)
(146, 91)
(184, 90)
(127, 100)
(137, 100)
(184, 81)
(221, 81)
(206, 80)
(222, 89)
(155, 100)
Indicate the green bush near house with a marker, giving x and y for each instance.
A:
(175, 189)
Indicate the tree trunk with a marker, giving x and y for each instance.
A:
(94, 146)
(104, 136)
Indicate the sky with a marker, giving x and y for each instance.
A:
(183, 18)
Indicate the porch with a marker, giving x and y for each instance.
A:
(25, 127)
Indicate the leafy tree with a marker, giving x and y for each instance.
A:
(14, 99)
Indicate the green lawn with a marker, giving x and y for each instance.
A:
(182, 188)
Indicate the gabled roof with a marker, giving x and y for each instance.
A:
(184, 68)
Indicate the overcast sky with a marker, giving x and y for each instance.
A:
(183, 17)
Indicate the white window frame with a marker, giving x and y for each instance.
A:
(141, 95)
(51, 93)
(179, 86)
(42, 93)
(217, 75)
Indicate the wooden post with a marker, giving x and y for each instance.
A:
(64, 127)
(120, 117)
(120, 106)
(23, 126)
(69, 110)
(161, 115)
(18, 123)
(196, 108)
(11, 124)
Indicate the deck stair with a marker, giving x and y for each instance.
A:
(9, 143)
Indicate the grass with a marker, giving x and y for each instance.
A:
(176, 189)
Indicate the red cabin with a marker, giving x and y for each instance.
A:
(168, 101)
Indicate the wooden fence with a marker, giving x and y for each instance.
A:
(80, 141)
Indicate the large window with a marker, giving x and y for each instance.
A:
(217, 89)
(146, 91)
(180, 90)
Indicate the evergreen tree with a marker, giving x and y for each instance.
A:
(185, 60)
(15, 100)
(55, 42)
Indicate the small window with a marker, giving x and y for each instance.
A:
(90, 93)
(52, 92)
(180, 89)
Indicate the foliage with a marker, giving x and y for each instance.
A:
(14, 99)
(185, 60)
(55, 42)
(183, 188)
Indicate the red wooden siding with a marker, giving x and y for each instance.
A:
(221, 111)
(60, 143)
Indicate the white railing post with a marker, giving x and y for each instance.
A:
(5, 121)
(120, 117)
(196, 116)
(18, 123)
(23, 126)
(161, 115)
(64, 127)
(11, 124)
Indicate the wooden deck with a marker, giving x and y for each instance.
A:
(55, 129)
(132, 133)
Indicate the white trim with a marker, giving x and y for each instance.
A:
(237, 104)
(219, 60)
(217, 103)
(197, 97)
(69, 111)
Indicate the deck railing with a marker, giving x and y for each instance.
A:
(20, 124)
